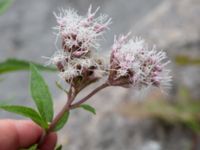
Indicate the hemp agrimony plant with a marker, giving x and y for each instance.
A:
(131, 65)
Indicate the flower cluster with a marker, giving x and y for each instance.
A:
(132, 64)
(78, 61)
(80, 34)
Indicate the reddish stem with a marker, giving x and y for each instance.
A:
(89, 95)
(67, 107)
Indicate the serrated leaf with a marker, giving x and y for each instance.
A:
(59, 147)
(41, 95)
(62, 121)
(11, 65)
(4, 5)
(88, 108)
(26, 112)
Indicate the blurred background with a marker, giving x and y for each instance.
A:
(124, 121)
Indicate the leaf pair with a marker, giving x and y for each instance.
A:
(42, 99)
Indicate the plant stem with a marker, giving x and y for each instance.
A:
(67, 107)
(58, 117)
(89, 95)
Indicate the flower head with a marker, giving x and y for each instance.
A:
(70, 68)
(133, 64)
(76, 61)
(80, 34)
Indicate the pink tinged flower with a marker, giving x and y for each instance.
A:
(73, 69)
(59, 59)
(69, 73)
(133, 64)
(81, 33)
(79, 53)
(59, 56)
(90, 15)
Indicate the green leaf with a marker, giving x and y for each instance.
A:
(88, 108)
(60, 87)
(4, 5)
(33, 147)
(62, 121)
(26, 112)
(11, 65)
(41, 95)
(59, 147)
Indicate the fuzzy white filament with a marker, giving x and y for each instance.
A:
(81, 31)
(132, 63)
(145, 67)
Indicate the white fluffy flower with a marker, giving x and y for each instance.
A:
(132, 63)
(69, 73)
(81, 32)
(143, 67)
(79, 67)
(57, 57)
